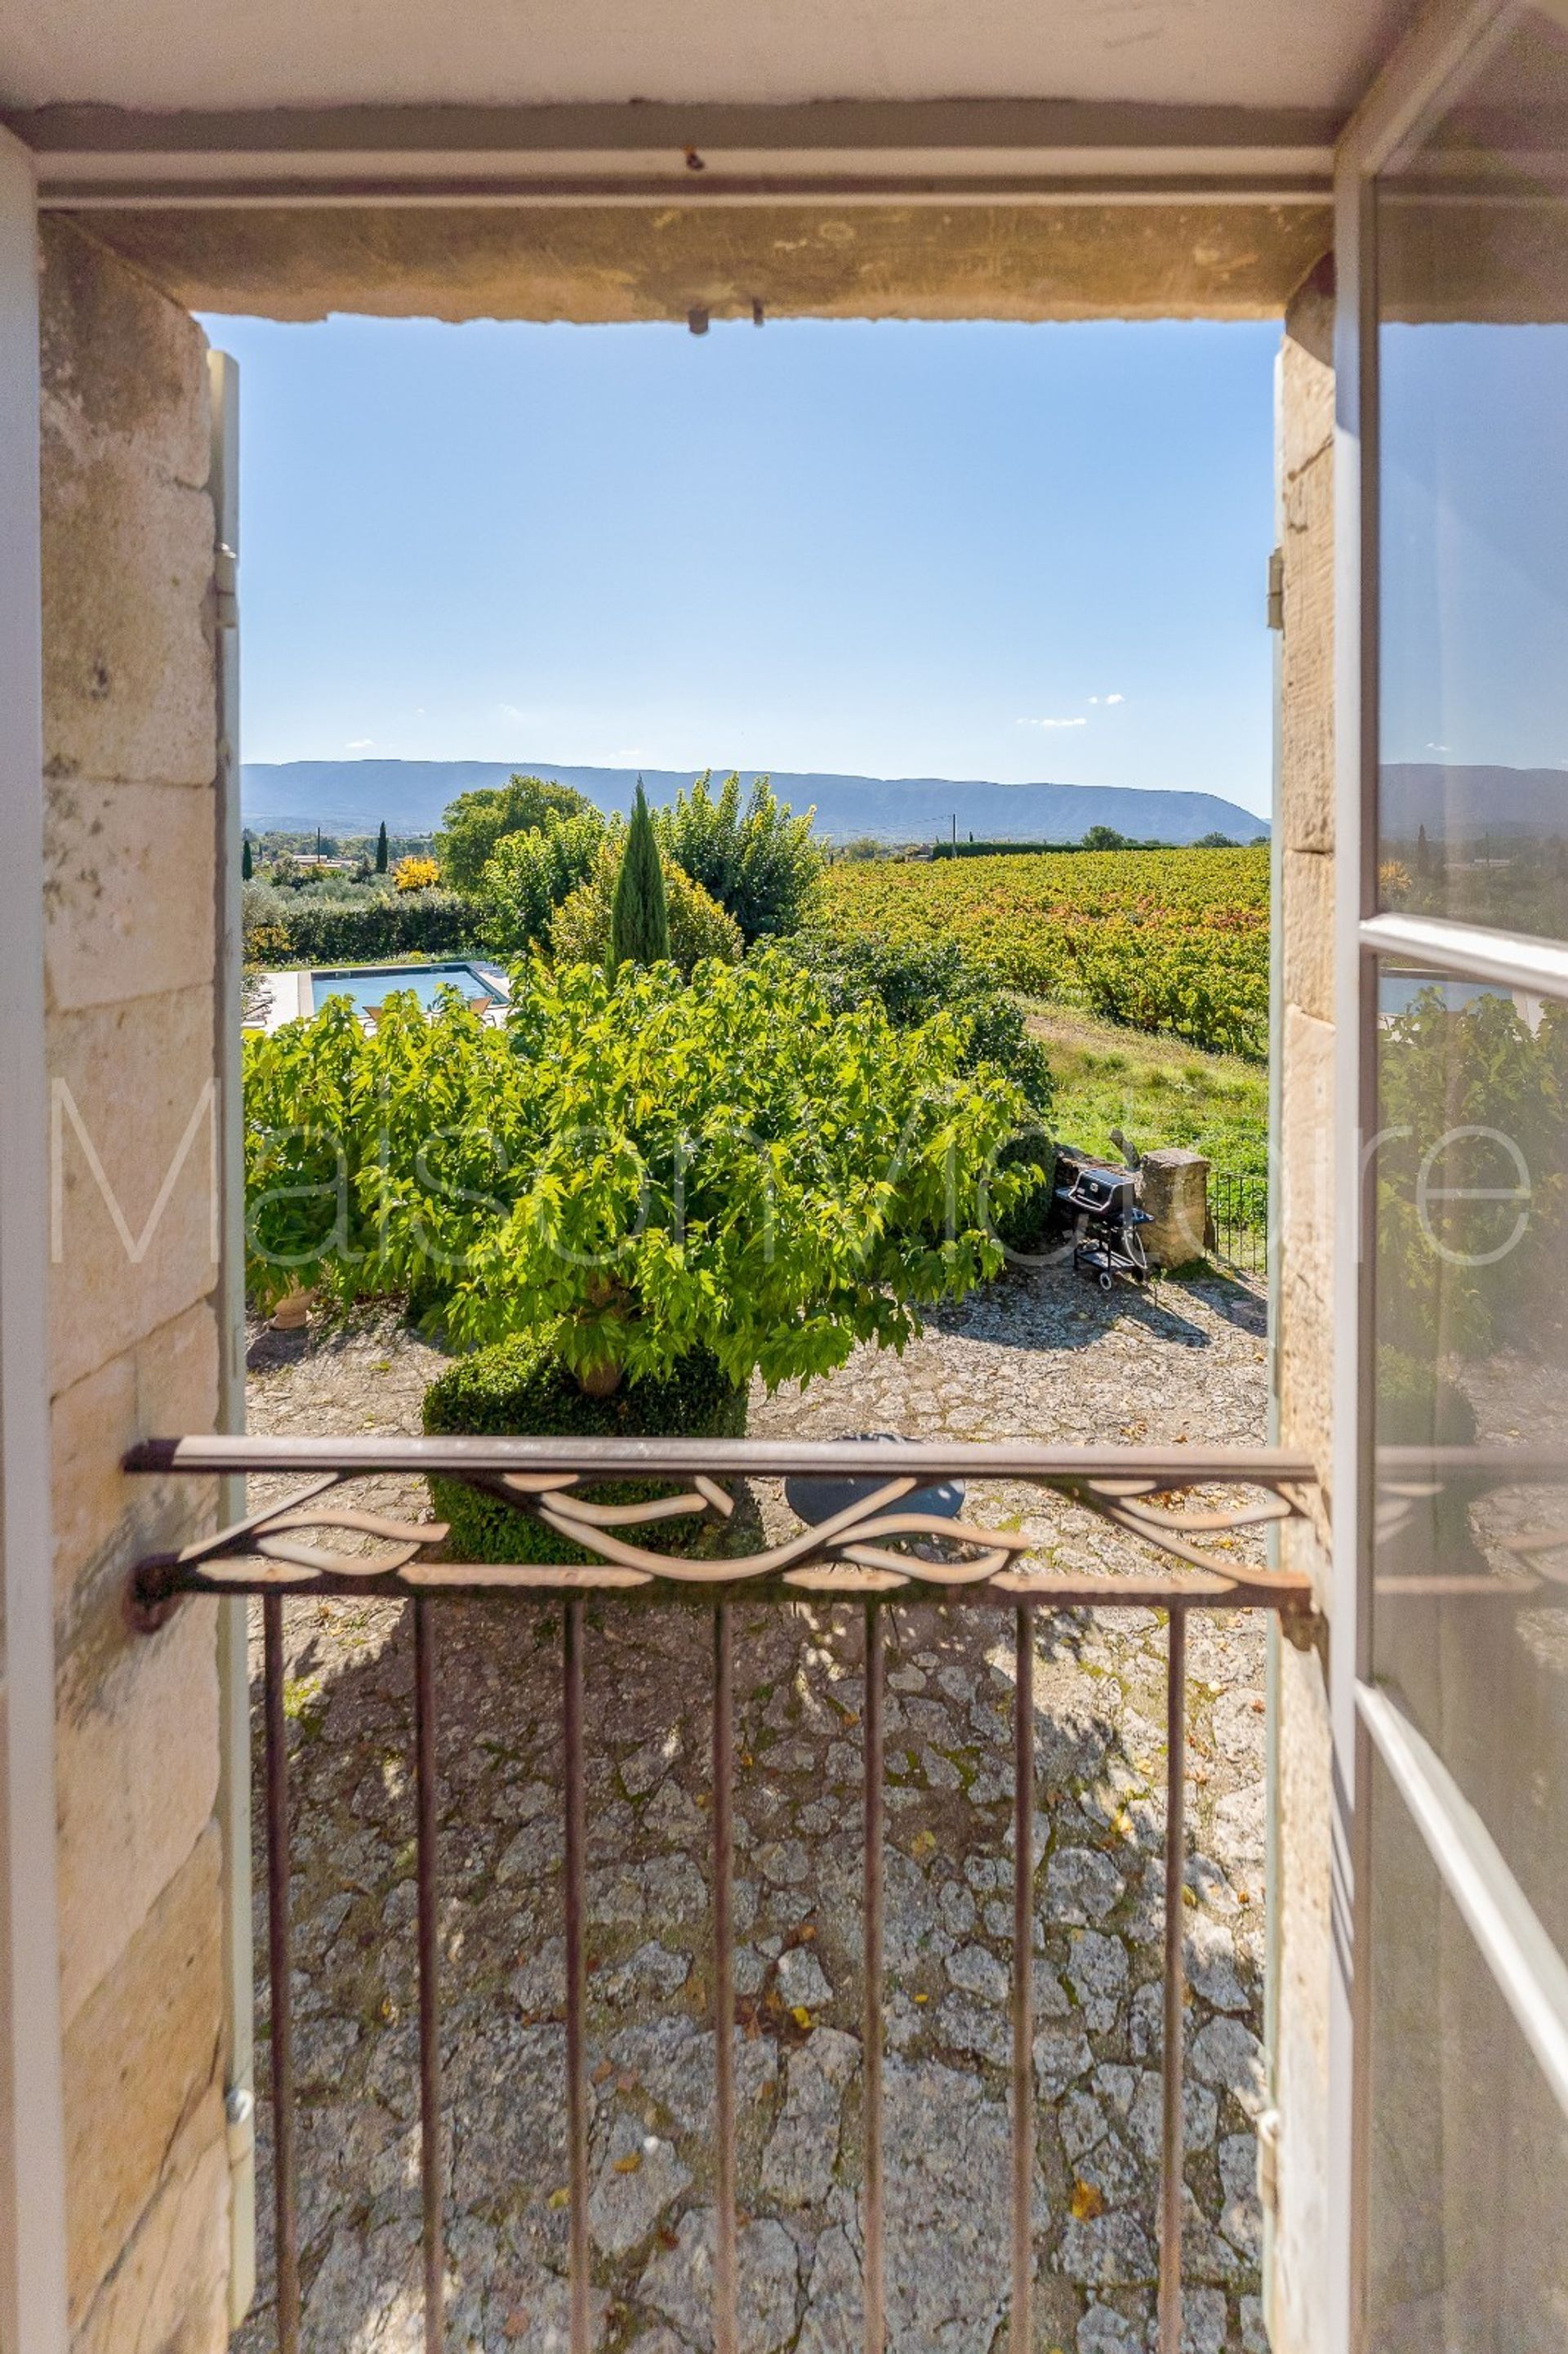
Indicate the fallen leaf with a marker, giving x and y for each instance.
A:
(799, 2014)
(1086, 2201)
(923, 1844)
(603, 2072)
(516, 2322)
(922, 1997)
(629, 2163)
(562, 2198)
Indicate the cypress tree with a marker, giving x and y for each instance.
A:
(247, 865)
(640, 919)
(381, 849)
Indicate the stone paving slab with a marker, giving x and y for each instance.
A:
(1041, 1356)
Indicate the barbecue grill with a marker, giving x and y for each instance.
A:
(1098, 1201)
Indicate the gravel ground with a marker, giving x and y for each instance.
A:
(1043, 1356)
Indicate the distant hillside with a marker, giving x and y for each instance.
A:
(354, 796)
(1458, 804)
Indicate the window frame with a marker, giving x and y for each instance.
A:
(1443, 51)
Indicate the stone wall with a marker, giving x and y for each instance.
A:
(1302, 1307)
(130, 720)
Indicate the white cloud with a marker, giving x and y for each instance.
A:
(361, 744)
(1116, 699)
(1051, 722)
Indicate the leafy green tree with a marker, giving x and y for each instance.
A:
(247, 863)
(639, 916)
(1216, 841)
(1472, 1146)
(531, 875)
(381, 852)
(581, 930)
(758, 860)
(647, 1168)
(476, 822)
(913, 980)
(1104, 837)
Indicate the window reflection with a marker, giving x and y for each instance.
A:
(1473, 401)
(1470, 1585)
(1468, 2211)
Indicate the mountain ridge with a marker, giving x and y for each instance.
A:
(354, 796)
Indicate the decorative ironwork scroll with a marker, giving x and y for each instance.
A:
(875, 1545)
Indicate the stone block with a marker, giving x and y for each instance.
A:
(1173, 1188)
(103, 1519)
(1306, 932)
(1306, 661)
(1305, 1363)
(136, 1735)
(134, 1082)
(129, 688)
(121, 360)
(1307, 371)
(168, 2292)
(142, 2059)
(1305, 1209)
(128, 890)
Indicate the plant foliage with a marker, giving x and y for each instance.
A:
(521, 1385)
(651, 1166)
(1169, 941)
(356, 930)
(639, 917)
(698, 926)
(1471, 1148)
(753, 857)
(474, 824)
(532, 874)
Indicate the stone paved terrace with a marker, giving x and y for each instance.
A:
(1044, 1356)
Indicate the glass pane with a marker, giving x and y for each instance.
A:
(1470, 1574)
(1468, 2207)
(1472, 274)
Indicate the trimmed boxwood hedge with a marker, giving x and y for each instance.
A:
(519, 1388)
(352, 931)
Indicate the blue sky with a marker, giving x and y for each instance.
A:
(973, 550)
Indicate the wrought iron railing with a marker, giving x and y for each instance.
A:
(1238, 1221)
(857, 1557)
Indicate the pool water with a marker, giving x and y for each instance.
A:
(370, 985)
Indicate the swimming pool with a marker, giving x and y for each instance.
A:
(368, 985)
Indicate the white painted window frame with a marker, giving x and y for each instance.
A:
(1440, 52)
(32, 2138)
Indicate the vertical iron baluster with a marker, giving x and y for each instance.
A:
(430, 1981)
(1022, 2333)
(280, 1957)
(1172, 2139)
(577, 1977)
(872, 2031)
(724, 1985)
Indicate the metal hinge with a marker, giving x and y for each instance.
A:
(1277, 589)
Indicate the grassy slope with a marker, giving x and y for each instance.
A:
(1157, 1090)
